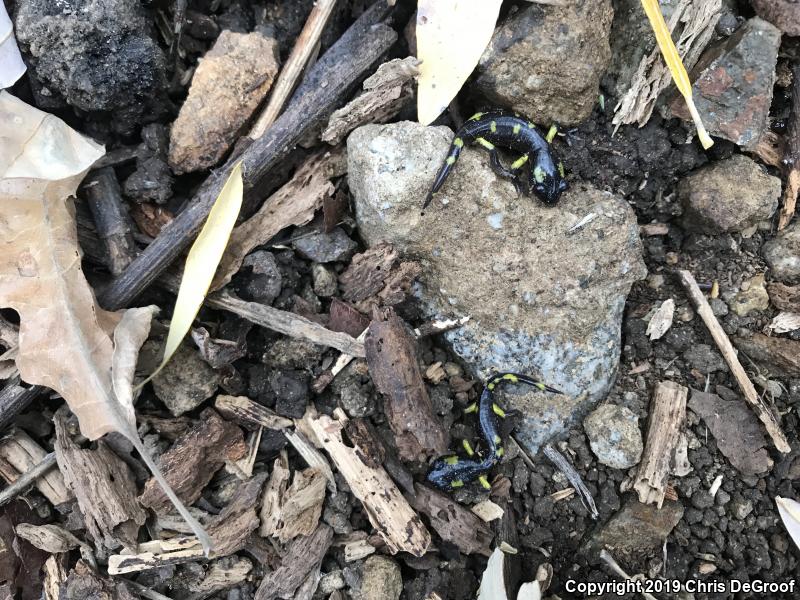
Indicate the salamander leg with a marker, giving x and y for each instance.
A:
(514, 174)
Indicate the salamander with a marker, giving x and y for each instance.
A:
(496, 129)
(451, 472)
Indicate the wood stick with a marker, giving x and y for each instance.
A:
(388, 511)
(763, 411)
(111, 219)
(296, 63)
(20, 453)
(325, 88)
(15, 398)
(667, 413)
(28, 478)
(791, 158)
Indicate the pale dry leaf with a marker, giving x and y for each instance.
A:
(451, 36)
(785, 322)
(661, 320)
(11, 65)
(493, 586)
(789, 510)
(129, 335)
(201, 262)
(65, 338)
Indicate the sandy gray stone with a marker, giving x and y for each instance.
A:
(381, 580)
(541, 300)
(186, 381)
(530, 64)
(728, 195)
(782, 253)
(614, 436)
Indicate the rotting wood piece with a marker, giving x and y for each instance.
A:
(156, 554)
(193, 459)
(388, 511)
(376, 277)
(231, 528)
(453, 522)
(303, 556)
(274, 492)
(667, 413)
(771, 424)
(20, 452)
(301, 506)
(394, 368)
(778, 356)
(104, 487)
(791, 158)
(83, 583)
(386, 92)
(784, 297)
(326, 86)
(248, 413)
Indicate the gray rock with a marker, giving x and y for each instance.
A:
(754, 298)
(292, 353)
(733, 82)
(265, 281)
(95, 55)
(705, 359)
(325, 281)
(614, 436)
(782, 253)
(541, 301)
(739, 508)
(784, 14)
(291, 390)
(729, 195)
(186, 381)
(324, 247)
(381, 580)
(637, 531)
(545, 62)
(152, 179)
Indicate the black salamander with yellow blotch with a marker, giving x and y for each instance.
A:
(451, 472)
(506, 130)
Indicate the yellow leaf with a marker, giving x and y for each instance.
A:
(673, 60)
(202, 261)
(451, 36)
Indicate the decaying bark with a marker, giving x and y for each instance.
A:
(386, 92)
(394, 367)
(784, 297)
(791, 159)
(377, 278)
(248, 413)
(453, 522)
(387, 509)
(192, 461)
(83, 583)
(155, 554)
(274, 492)
(19, 454)
(231, 527)
(764, 413)
(302, 505)
(779, 356)
(667, 413)
(303, 558)
(104, 487)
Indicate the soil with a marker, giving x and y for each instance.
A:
(644, 165)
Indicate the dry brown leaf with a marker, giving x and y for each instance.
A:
(65, 340)
(293, 204)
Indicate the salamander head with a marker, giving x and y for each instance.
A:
(548, 184)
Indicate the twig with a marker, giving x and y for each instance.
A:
(609, 560)
(303, 48)
(328, 83)
(791, 158)
(729, 354)
(28, 478)
(667, 412)
(574, 478)
(14, 399)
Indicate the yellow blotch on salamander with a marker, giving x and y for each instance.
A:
(458, 142)
(493, 126)
(561, 169)
(451, 460)
(476, 116)
(516, 129)
(499, 452)
(485, 143)
(467, 447)
(457, 483)
(485, 482)
(516, 165)
(451, 160)
(499, 411)
(538, 174)
(510, 376)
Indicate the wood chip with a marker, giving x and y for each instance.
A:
(274, 491)
(156, 554)
(84, 583)
(488, 511)
(779, 356)
(784, 297)
(388, 511)
(54, 576)
(386, 92)
(301, 506)
(736, 430)
(50, 538)
(231, 528)
(303, 556)
(21, 453)
(394, 368)
(764, 413)
(791, 159)
(357, 550)
(104, 487)
(661, 320)
(784, 322)
(667, 413)
(453, 522)
(248, 413)
(193, 459)
(377, 278)
(313, 457)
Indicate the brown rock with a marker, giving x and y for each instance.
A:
(785, 297)
(733, 82)
(779, 356)
(228, 85)
(784, 14)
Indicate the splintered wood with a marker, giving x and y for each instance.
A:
(388, 511)
(248, 413)
(377, 277)
(667, 412)
(394, 368)
(791, 158)
(453, 522)
(764, 413)
(19, 453)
